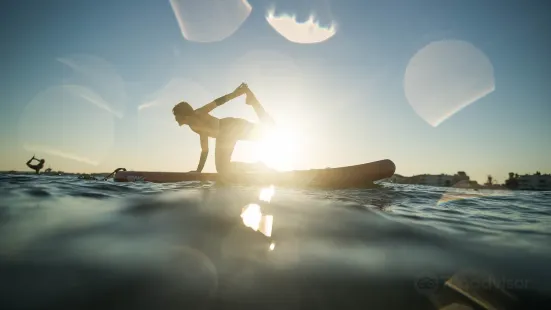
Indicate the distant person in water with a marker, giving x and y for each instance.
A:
(38, 166)
(227, 131)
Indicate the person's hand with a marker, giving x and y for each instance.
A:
(241, 89)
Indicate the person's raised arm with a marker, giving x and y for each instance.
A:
(204, 152)
(220, 101)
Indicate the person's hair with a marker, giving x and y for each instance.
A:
(183, 108)
(42, 161)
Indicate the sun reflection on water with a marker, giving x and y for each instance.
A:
(253, 217)
(267, 193)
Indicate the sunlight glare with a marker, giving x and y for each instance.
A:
(251, 216)
(208, 21)
(267, 193)
(278, 150)
(446, 76)
(307, 32)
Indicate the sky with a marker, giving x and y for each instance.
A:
(435, 86)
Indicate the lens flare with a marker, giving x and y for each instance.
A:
(446, 76)
(208, 21)
(174, 91)
(97, 81)
(61, 122)
(307, 32)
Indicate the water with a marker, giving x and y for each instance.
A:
(80, 244)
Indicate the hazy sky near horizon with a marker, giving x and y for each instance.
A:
(435, 86)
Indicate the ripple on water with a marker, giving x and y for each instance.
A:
(327, 237)
(445, 208)
(37, 192)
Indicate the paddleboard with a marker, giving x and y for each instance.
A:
(342, 177)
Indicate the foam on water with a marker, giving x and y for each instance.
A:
(69, 243)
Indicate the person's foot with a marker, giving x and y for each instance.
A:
(251, 98)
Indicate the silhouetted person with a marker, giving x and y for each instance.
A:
(38, 166)
(227, 131)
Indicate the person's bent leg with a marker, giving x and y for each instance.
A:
(231, 131)
(225, 143)
(222, 154)
(262, 115)
(33, 167)
(258, 167)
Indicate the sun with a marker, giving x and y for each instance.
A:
(279, 149)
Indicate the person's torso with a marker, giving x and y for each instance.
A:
(205, 124)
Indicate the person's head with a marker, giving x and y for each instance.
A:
(42, 161)
(181, 112)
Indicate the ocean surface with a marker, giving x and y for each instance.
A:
(67, 243)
